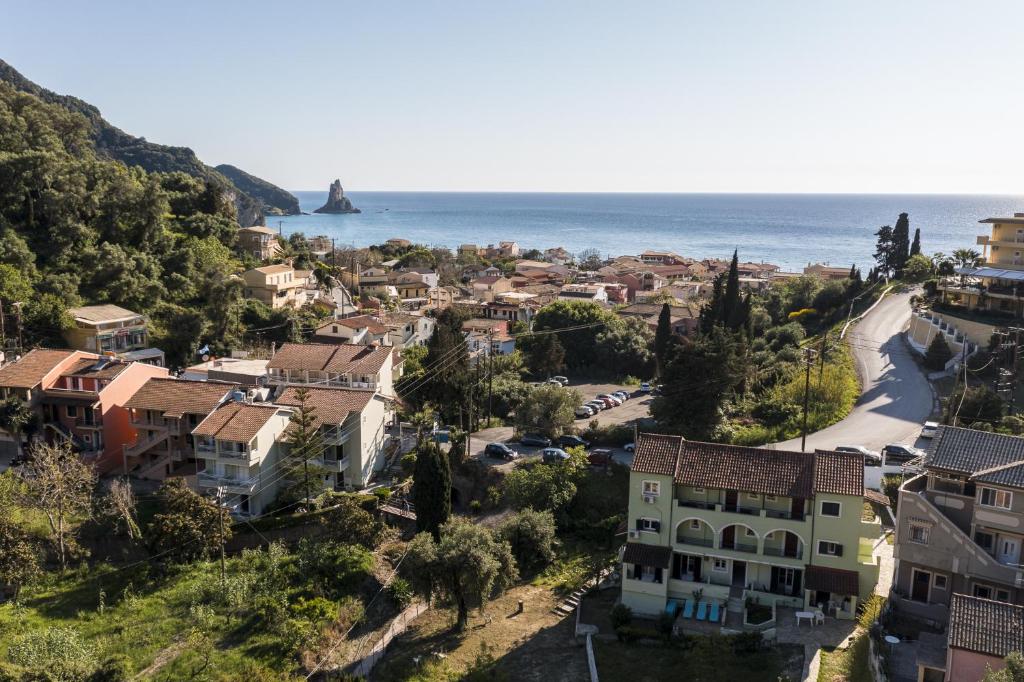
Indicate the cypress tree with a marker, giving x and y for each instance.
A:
(431, 489)
(900, 243)
(662, 336)
(938, 353)
(915, 246)
(853, 271)
(731, 310)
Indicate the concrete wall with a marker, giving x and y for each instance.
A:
(117, 428)
(968, 666)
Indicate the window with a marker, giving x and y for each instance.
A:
(918, 534)
(990, 497)
(72, 411)
(984, 540)
(652, 488)
(751, 534)
(695, 524)
(769, 498)
(699, 491)
(752, 496)
(827, 548)
(719, 565)
(939, 581)
(1002, 595)
(831, 509)
(983, 591)
(648, 525)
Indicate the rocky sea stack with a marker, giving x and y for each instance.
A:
(337, 202)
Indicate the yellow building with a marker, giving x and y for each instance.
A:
(276, 285)
(997, 284)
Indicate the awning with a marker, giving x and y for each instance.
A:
(834, 580)
(647, 555)
(993, 273)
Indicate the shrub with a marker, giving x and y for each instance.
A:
(475, 506)
(60, 651)
(408, 463)
(938, 353)
(747, 642)
(334, 568)
(400, 592)
(382, 494)
(620, 616)
(870, 611)
(531, 535)
(629, 633)
(665, 624)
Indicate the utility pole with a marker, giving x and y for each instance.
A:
(220, 518)
(1013, 368)
(490, 380)
(17, 310)
(334, 253)
(821, 357)
(808, 361)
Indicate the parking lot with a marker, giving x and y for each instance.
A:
(637, 407)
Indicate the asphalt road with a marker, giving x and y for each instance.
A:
(896, 397)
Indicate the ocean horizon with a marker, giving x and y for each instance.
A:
(790, 230)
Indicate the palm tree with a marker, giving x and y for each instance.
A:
(966, 258)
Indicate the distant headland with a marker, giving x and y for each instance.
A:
(337, 202)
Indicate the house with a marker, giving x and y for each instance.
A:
(583, 292)
(374, 281)
(524, 267)
(485, 337)
(407, 329)
(164, 411)
(344, 365)
(352, 426)
(414, 283)
(78, 397)
(508, 250)
(662, 258)
(112, 329)
(488, 288)
(399, 243)
(469, 250)
(684, 319)
(827, 272)
(982, 632)
(998, 282)
(782, 527)
(241, 448)
(239, 371)
(362, 330)
(259, 241)
(557, 255)
(637, 283)
(275, 285)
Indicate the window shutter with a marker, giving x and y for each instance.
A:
(657, 526)
(839, 550)
(639, 524)
(821, 546)
(657, 575)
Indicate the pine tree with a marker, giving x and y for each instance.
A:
(884, 250)
(662, 336)
(915, 246)
(305, 443)
(431, 489)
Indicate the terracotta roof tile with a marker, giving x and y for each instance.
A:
(342, 358)
(756, 470)
(839, 473)
(96, 368)
(876, 497)
(175, 397)
(332, 405)
(657, 454)
(647, 555)
(30, 369)
(985, 626)
(834, 580)
(238, 422)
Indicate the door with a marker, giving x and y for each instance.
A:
(729, 537)
(791, 545)
(920, 585)
(1009, 551)
(739, 573)
(731, 499)
(797, 508)
(694, 567)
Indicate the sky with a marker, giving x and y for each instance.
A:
(589, 96)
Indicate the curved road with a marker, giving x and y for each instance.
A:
(896, 397)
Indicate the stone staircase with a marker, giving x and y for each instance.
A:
(569, 605)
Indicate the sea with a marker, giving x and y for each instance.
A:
(790, 230)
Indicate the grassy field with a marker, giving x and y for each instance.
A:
(707, 661)
(846, 665)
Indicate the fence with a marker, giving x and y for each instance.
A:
(397, 626)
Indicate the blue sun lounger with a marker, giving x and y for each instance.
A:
(714, 612)
(688, 608)
(671, 607)
(702, 610)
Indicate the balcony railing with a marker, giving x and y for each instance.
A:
(781, 551)
(740, 547)
(737, 509)
(779, 514)
(695, 505)
(699, 542)
(229, 482)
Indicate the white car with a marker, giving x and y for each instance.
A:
(645, 387)
(564, 381)
(929, 429)
(629, 447)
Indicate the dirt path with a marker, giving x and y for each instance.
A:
(166, 655)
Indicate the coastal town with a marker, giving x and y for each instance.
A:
(533, 342)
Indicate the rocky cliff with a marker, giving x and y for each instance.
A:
(337, 202)
(116, 144)
(276, 201)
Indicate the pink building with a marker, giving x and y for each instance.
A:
(981, 633)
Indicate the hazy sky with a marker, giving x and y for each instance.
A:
(556, 96)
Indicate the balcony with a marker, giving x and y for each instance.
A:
(696, 505)
(88, 423)
(229, 483)
(778, 514)
(697, 542)
(737, 509)
(740, 547)
(782, 552)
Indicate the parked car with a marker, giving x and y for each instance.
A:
(897, 454)
(929, 429)
(570, 441)
(554, 455)
(562, 380)
(600, 457)
(584, 411)
(553, 382)
(500, 451)
(629, 447)
(645, 387)
(534, 439)
(598, 405)
(623, 395)
(871, 458)
(610, 399)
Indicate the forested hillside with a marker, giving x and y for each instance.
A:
(113, 143)
(275, 200)
(79, 228)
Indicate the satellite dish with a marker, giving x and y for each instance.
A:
(206, 358)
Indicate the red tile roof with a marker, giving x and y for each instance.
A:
(238, 422)
(332, 406)
(657, 454)
(839, 473)
(175, 397)
(342, 358)
(30, 369)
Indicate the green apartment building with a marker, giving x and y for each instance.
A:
(724, 521)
